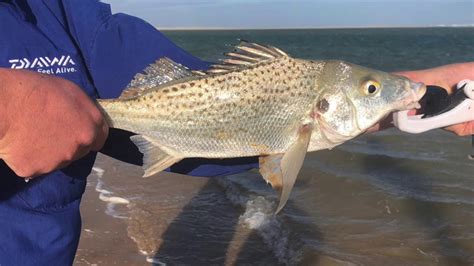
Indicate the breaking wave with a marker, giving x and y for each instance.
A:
(259, 215)
(107, 196)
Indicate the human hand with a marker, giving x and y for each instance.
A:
(446, 77)
(47, 122)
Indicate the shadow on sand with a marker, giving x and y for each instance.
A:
(406, 176)
(218, 240)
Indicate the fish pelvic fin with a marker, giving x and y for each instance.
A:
(281, 171)
(270, 170)
(154, 158)
(161, 72)
(244, 55)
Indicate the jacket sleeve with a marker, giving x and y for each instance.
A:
(115, 48)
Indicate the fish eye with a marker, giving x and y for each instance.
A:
(370, 87)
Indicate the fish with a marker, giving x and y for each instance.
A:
(258, 101)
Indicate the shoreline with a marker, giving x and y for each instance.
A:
(104, 239)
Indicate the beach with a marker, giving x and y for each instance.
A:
(104, 239)
(117, 233)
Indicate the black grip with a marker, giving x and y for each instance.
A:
(437, 101)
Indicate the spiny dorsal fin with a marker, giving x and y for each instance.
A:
(162, 71)
(244, 55)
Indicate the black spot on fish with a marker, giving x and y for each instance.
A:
(322, 105)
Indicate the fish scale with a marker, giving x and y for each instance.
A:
(258, 102)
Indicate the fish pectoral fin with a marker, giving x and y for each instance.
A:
(292, 162)
(163, 71)
(154, 158)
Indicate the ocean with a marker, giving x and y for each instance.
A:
(386, 198)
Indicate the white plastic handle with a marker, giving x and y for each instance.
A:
(464, 112)
(468, 87)
(415, 124)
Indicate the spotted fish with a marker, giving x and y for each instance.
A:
(258, 102)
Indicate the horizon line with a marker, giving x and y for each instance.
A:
(311, 28)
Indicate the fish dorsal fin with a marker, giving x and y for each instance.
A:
(161, 72)
(245, 55)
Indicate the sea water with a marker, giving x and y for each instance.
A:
(386, 198)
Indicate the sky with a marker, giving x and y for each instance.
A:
(238, 14)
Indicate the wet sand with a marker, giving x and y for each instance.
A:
(104, 239)
(155, 225)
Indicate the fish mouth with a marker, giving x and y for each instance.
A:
(416, 91)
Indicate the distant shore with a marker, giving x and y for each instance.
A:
(315, 28)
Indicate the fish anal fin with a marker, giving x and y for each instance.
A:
(154, 158)
(161, 72)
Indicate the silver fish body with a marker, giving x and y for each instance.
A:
(260, 102)
(247, 113)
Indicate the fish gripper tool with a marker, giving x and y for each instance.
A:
(440, 110)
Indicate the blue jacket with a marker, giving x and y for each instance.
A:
(79, 40)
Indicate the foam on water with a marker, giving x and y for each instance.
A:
(259, 215)
(155, 261)
(106, 196)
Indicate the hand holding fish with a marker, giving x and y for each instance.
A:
(46, 122)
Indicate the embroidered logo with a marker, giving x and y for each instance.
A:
(46, 65)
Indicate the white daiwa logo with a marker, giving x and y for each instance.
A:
(46, 65)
